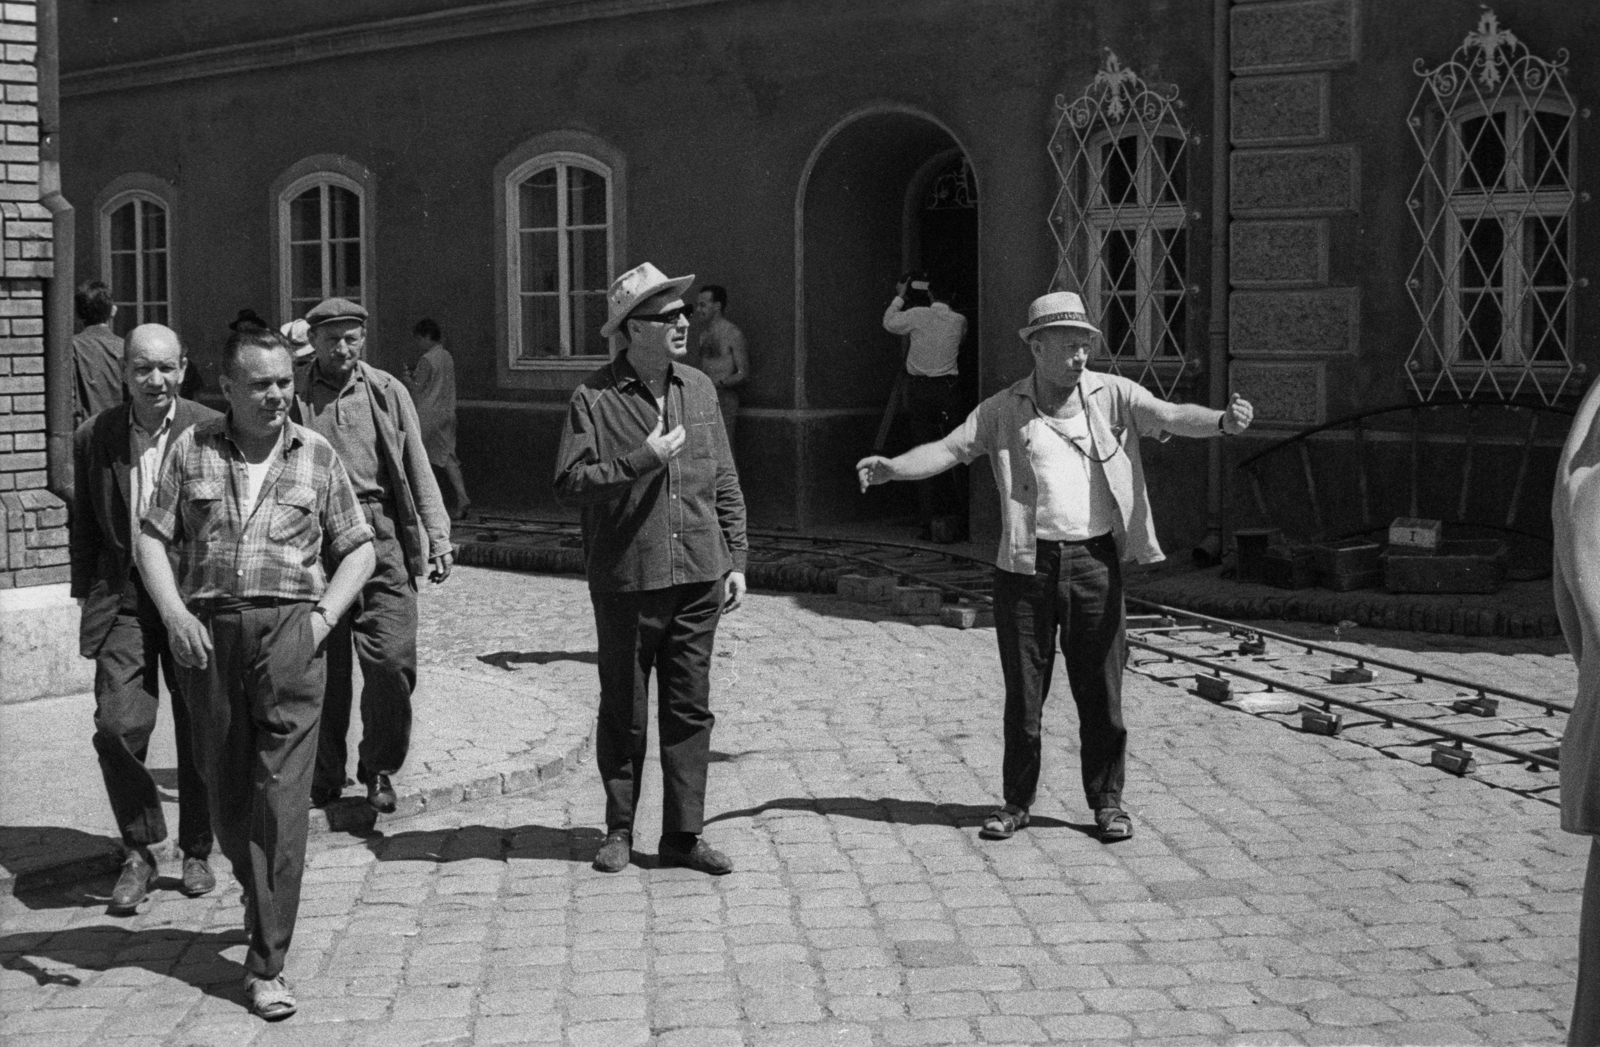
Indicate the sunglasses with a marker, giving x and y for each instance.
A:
(671, 316)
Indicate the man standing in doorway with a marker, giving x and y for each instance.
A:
(246, 508)
(1064, 447)
(645, 456)
(722, 353)
(96, 353)
(934, 333)
(368, 417)
(433, 386)
(117, 458)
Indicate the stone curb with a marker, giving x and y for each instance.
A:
(521, 775)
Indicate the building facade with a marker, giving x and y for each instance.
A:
(1329, 206)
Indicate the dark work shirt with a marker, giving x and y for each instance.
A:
(340, 411)
(97, 358)
(649, 524)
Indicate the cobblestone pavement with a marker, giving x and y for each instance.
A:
(1281, 888)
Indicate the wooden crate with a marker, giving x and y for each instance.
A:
(1469, 566)
(1354, 563)
(1418, 537)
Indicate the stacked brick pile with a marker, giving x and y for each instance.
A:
(34, 550)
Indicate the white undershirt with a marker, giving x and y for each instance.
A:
(255, 476)
(1075, 502)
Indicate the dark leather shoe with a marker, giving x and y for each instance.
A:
(702, 857)
(197, 877)
(133, 886)
(615, 852)
(380, 794)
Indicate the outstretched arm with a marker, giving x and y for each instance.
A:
(1200, 422)
(919, 463)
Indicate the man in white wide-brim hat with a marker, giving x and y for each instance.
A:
(1064, 447)
(645, 457)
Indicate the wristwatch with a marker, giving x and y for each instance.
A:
(1222, 426)
(323, 611)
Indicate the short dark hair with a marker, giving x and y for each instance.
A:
(93, 302)
(428, 329)
(250, 336)
(718, 293)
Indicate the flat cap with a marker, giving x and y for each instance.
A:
(331, 309)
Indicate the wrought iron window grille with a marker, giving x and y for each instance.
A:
(1493, 206)
(1121, 221)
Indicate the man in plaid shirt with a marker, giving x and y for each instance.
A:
(250, 505)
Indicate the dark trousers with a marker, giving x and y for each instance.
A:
(381, 627)
(933, 409)
(670, 631)
(1076, 591)
(126, 689)
(255, 708)
(1585, 1028)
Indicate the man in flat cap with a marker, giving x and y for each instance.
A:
(645, 456)
(368, 417)
(1064, 446)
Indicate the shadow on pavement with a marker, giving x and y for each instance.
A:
(506, 659)
(20, 844)
(192, 957)
(524, 842)
(889, 809)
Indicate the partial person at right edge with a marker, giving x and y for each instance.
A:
(1575, 516)
(433, 388)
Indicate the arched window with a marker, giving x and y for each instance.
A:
(1493, 203)
(561, 256)
(324, 234)
(1121, 220)
(136, 252)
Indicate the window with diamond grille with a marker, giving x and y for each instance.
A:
(136, 260)
(1493, 204)
(1121, 221)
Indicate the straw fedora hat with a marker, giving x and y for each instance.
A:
(636, 285)
(1057, 309)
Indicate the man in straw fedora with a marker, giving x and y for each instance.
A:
(645, 457)
(1064, 447)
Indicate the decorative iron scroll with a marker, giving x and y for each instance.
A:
(1493, 206)
(955, 189)
(1121, 222)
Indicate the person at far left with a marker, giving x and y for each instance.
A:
(245, 509)
(117, 455)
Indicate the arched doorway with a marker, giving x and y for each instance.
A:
(881, 196)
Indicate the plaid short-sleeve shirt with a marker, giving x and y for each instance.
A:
(272, 549)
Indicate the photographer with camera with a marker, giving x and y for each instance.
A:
(932, 389)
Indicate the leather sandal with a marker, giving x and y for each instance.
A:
(1114, 824)
(270, 998)
(1004, 823)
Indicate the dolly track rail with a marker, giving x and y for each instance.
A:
(968, 578)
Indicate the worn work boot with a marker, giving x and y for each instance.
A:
(133, 886)
(615, 852)
(197, 877)
(380, 794)
(702, 857)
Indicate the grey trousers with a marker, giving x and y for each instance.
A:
(1585, 1030)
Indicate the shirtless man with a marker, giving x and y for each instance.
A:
(722, 352)
(1575, 515)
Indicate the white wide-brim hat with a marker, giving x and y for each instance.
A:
(1057, 309)
(643, 281)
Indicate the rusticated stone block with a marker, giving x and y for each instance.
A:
(1289, 252)
(1295, 35)
(1284, 394)
(1277, 323)
(1275, 109)
(1295, 181)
